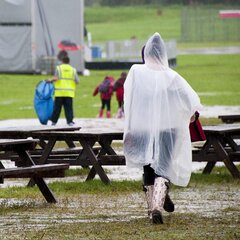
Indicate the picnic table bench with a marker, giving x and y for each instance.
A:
(221, 146)
(46, 170)
(26, 168)
(58, 155)
(230, 118)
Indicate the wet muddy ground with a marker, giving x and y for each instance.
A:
(23, 216)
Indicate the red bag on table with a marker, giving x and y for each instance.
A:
(196, 131)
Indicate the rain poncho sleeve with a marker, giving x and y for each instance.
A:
(158, 105)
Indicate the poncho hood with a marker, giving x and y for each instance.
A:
(155, 54)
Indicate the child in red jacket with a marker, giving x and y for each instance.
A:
(118, 87)
(106, 90)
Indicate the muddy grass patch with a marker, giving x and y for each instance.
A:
(210, 211)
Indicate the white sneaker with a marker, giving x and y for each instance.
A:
(71, 124)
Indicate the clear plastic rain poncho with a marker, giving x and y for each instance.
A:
(158, 105)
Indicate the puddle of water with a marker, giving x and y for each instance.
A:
(8, 101)
(216, 93)
(25, 107)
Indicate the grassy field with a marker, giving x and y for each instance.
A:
(120, 23)
(214, 77)
(125, 22)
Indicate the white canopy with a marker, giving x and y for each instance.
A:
(31, 30)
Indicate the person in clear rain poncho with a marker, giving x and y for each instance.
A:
(159, 105)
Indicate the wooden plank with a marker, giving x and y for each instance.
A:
(26, 130)
(41, 174)
(211, 157)
(224, 129)
(112, 160)
(230, 118)
(75, 150)
(235, 156)
(46, 170)
(11, 144)
(70, 162)
(75, 136)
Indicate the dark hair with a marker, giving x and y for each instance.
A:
(62, 54)
(66, 59)
(123, 75)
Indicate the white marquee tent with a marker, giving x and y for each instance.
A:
(30, 31)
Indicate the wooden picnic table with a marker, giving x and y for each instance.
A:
(230, 118)
(26, 132)
(221, 146)
(26, 168)
(88, 140)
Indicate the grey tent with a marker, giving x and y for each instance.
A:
(30, 31)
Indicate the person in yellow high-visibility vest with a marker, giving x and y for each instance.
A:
(65, 80)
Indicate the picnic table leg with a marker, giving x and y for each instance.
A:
(203, 153)
(223, 155)
(106, 148)
(46, 192)
(43, 159)
(92, 158)
(24, 155)
(232, 144)
(209, 167)
(42, 143)
(47, 150)
(1, 167)
(70, 143)
(91, 175)
(43, 187)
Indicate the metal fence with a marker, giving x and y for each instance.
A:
(130, 50)
(202, 24)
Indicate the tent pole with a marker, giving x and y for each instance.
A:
(33, 35)
(82, 63)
